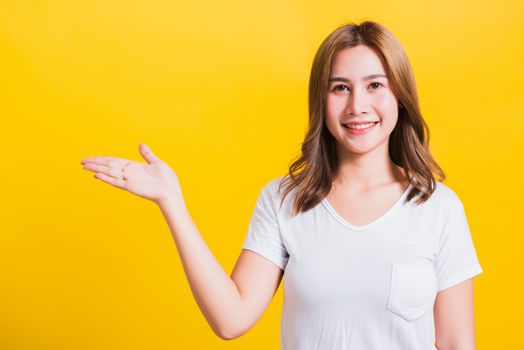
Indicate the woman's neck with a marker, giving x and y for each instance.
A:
(366, 171)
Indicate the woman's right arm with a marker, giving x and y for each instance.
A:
(231, 305)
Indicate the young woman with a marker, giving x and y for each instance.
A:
(377, 253)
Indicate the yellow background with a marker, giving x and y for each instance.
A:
(219, 90)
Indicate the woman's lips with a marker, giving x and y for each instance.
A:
(359, 131)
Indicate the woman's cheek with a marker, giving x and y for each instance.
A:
(338, 104)
(333, 106)
(385, 101)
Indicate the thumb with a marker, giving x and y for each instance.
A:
(147, 154)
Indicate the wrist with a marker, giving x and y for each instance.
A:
(170, 198)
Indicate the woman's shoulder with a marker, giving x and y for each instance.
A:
(273, 183)
(272, 188)
(274, 192)
(448, 193)
(444, 198)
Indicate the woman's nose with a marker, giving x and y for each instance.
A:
(357, 102)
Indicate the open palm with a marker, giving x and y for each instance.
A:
(153, 180)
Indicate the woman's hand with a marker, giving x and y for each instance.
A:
(153, 180)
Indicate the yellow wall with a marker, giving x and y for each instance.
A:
(218, 90)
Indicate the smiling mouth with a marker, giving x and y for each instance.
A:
(359, 126)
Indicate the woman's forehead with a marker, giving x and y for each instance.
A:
(357, 62)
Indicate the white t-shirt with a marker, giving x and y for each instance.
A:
(363, 287)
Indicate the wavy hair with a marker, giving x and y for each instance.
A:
(312, 173)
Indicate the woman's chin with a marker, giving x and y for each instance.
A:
(360, 148)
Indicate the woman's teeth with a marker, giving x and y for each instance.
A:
(359, 126)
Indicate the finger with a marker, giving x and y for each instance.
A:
(111, 180)
(96, 167)
(105, 160)
(98, 160)
(111, 171)
(147, 154)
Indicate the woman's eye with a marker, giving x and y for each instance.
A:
(374, 85)
(339, 87)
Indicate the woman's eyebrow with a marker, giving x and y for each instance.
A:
(346, 80)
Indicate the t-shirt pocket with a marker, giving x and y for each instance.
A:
(413, 289)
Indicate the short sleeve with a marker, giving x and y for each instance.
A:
(263, 233)
(457, 259)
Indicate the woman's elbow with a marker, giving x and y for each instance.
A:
(230, 333)
(456, 345)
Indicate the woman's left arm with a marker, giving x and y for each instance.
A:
(454, 317)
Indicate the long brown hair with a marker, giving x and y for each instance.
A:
(313, 172)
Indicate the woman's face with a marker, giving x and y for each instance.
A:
(358, 94)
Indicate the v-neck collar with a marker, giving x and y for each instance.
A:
(343, 221)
